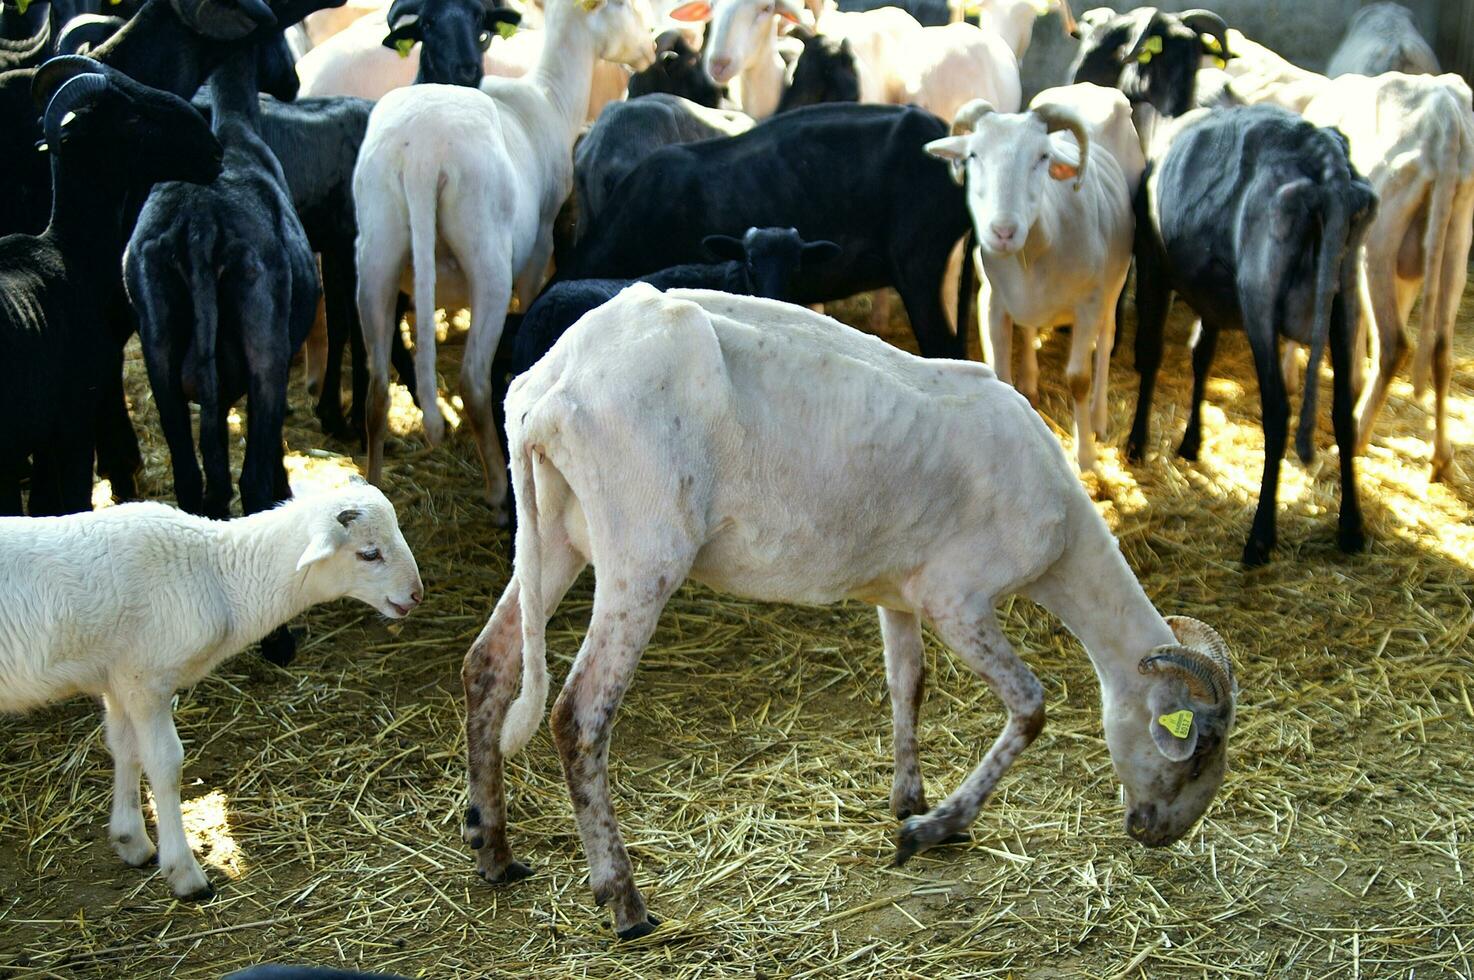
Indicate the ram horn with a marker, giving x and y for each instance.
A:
(75, 92)
(402, 11)
(1199, 659)
(1207, 22)
(1058, 117)
(967, 117)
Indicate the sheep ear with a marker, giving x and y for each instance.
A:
(950, 148)
(725, 248)
(695, 12)
(346, 517)
(817, 253)
(325, 541)
(1174, 724)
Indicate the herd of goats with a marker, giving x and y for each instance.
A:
(640, 226)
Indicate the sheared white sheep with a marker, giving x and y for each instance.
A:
(132, 603)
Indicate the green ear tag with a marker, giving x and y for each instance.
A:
(403, 45)
(505, 30)
(1179, 723)
(1220, 62)
(21, 5)
(1213, 45)
(1153, 46)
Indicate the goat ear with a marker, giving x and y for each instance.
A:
(348, 516)
(326, 539)
(405, 35)
(817, 253)
(724, 248)
(693, 12)
(950, 148)
(1173, 721)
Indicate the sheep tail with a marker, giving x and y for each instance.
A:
(1333, 228)
(524, 714)
(420, 198)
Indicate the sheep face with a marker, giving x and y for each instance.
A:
(1168, 736)
(739, 33)
(355, 549)
(1009, 160)
(622, 31)
(452, 34)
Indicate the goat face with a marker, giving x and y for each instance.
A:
(772, 257)
(1009, 160)
(1168, 736)
(677, 70)
(739, 31)
(452, 34)
(1149, 55)
(355, 542)
(622, 31)
(97, 111)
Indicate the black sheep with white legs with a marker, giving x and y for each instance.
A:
(108, 137)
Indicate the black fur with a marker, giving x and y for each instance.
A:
(677, 70)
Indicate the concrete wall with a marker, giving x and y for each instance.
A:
(1304, 31)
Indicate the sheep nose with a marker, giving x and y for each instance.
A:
(720, 68)
(415, 597)
(1004, 230)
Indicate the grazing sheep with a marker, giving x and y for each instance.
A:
(771, 453)
(1382, 37)
(109, 138)
(135, 602)
(465, 185)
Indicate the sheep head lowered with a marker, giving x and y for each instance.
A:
(355, 549)
(1185, 704)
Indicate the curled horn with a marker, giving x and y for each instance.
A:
(967, 117)
(1057, 117)
(76, 91)
(1199, 659)
(1146, 19)
(1207, 22)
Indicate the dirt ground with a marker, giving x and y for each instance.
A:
(751, 761)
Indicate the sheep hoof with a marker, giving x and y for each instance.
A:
(639, 930)
(201, 894)
(279, 646)
(1351, 540)
(136, 852)
(512, 873)
(1256, 552)
(1189, 450)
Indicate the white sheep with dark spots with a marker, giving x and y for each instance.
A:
(132, 603)
(771, 453)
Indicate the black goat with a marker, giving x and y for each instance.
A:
(676, 71)
(1150, 55)
(25, 35)
(108, 137)
(225, 287)
(824, 72)
(1254, 216)
(852, 174)
(452, 34)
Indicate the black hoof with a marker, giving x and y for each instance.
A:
(1256, 552)
(1351, 540)
(639, 930)
(1188, 451)
(1134, 452)
(908, 843)
(512, 873)
(203, 895)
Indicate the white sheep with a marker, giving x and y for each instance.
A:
(1013, 20)
(1054, 228)
(134, 602)
(466, 184)
(769, 452)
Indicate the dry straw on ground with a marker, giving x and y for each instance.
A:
(752, 763)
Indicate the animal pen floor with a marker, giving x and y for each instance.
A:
(752, 759)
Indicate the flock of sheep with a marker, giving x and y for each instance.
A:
(662, 406)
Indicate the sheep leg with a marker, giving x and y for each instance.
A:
(163, 759)
(1153, 303)
(1077, 377)
(126, 830)
(118, 458)
(381, 252)
(1455, 278)
(491, 293)
(1392, 349)
(581, 721)
(970, 628)
(1289, 365)
(338, 323)
(162, 350)
(490, 674)
(918, 279)
(905, 676)
(1275, 412)
(998, 344)
(1105, 342)
(1203, 352)
(1350, 537)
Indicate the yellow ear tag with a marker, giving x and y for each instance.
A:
(505, 30)
(973, 10)
(1179, 723)
(1213, 45)
(590, 6)
(21, 5)
(1153, 46)
(1220, 62)
(403, 45)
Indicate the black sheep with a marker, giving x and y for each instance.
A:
(676, 71)
(109, 136)
(452, 34)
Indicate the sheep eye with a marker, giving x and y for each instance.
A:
(371, 554)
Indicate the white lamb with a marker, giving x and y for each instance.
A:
(466, 184)
(134, 602)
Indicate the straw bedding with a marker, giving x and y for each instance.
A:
(751, 760)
